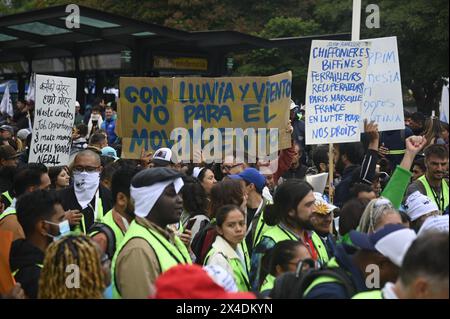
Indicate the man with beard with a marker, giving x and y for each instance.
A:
(433, 183)
(150, 247)
(41, 226)
(9, 159)
(110, 232)
(321, 220)
(348, 158)
(87, 200)
(293, 207)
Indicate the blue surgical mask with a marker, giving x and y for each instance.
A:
(64, 229)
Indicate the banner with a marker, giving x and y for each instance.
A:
(334, 91)
(383, 99)
(154, 112)
(53, 121)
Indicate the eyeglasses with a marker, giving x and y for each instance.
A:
(85, 169)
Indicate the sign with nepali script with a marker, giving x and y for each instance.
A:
(334, 91)
(53, 121)
(153, 111)
(382, 99)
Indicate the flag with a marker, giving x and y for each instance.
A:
(6, 106)
(443, 108)
(31, 88)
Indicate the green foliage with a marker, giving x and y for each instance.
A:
(421, 27)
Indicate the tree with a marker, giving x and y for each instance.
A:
(272, 61)
(421, 27)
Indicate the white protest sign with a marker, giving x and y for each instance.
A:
(318, 181)
(53, 121)
(382, 99)
(334, 91)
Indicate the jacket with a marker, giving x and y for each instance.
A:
(26, 262)
(335, 290)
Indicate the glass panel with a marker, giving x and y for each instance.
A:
(5, 37)
(39, 28)
(95, 23)
(53, 65)
(143, 34)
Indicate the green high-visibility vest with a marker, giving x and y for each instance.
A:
(8, 197)
(108, 220)
(373, 294)
(7, 212)
(278, 234)
(323, 279)
(14, 273)
(240, 273)
(268, 283)
(261, 228)
(100, 214)
(168, 254)
(431, 194)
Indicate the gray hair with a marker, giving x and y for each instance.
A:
(375, 210)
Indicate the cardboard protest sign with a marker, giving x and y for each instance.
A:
(382, 99)
(153, 110)
(53, 121)
(334, 91)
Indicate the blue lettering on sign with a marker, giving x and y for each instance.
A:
(206, 113)
(146, 94)
(160, 114)
(150, 140)
(380, 57)
(249, 110)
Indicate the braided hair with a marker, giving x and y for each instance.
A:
(54, 281)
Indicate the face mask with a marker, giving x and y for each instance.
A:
(95, 117)
(64, 228)
(86, 184)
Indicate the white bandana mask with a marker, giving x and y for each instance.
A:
(86, 185)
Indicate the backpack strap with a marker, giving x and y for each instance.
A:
(109, 233)
(335, 274)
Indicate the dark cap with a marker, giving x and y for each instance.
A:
(7, 128)
(154, 175)
(8, 152)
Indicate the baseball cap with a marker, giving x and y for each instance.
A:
(197, 284)
(293, 105)
(23, 133)
(418, 205)
(392, 241)
(7, 128)
(77, 103)
(322, 206)
(109, 151)
(253, 176)
(435, 224)
(8, 152)
(162, 156)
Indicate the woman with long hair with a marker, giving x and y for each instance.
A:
(79, 256)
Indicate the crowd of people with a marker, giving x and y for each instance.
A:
(108, 227)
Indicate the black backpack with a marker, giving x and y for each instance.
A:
(293, 285)
(109, 233)
(202, 242)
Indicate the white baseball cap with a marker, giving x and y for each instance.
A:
(418, 205)
(162, 157)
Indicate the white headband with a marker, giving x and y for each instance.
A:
(146, 197)
(197, 171)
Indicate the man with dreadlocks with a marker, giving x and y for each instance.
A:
(43, 219)
(72, 250)
(150, 247)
